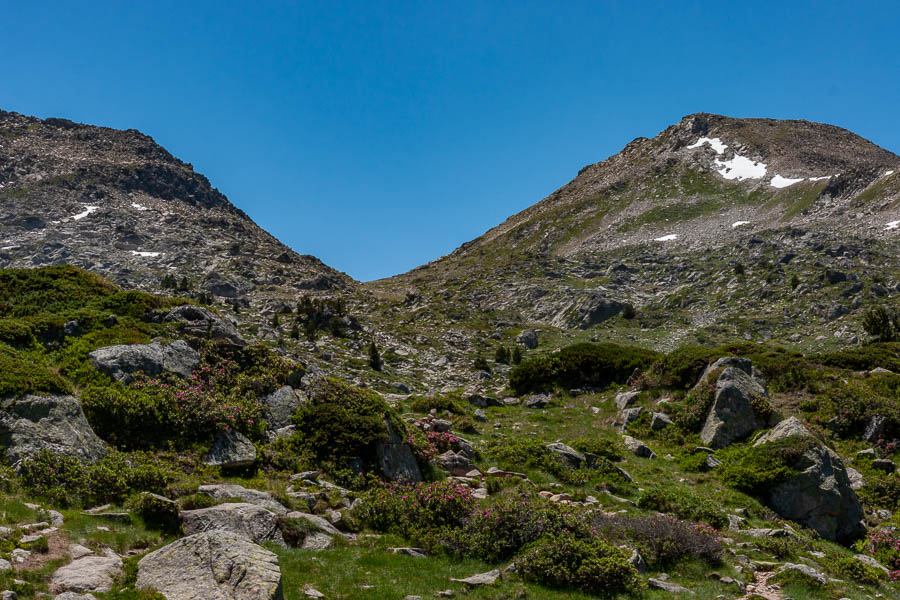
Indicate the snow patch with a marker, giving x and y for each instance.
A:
(667, 238)
(87, 210)
(740, 168)
(739, 223)
(892, 225)
(148, 254)
(137, 206)
(888, 173)
(821, 178)
(782, 182)
(715, 143)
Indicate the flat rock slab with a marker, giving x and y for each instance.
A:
(87, 574)
(250, 520)
(668, 586)
(215, 565)
(225, 491)
(489, 578)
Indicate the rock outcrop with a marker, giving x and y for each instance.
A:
(281, 405)
(225, 491)
(250, 520)
(395, 458)
(87, 574)
(214, 565)
(123, 362)
(55, 422)
(820, 496)
(740, 403)
(202, 322)
(231, 449)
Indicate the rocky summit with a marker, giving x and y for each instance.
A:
(679, 374)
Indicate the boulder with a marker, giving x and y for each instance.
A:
(637, 447)
(630, 415)
(87, 574)
(231, 449)
(537, 401)
(488, 578)
(123, 362)
(528, 338)
(569, 455)
(660, 420)
(740, 405)
(806, 570)
(281, 405)
(874, 429)
(626, 399)
(820, 496)
(318, 523)
(395, 457)
(453, 463)
(225, 491)
(214, 565)
(63, 596)
(55, 422)
(250, 520)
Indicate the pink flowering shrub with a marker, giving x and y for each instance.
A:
(884, 545)
(222, 393)
(415, 511)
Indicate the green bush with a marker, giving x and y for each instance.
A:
(588, 565)
(499, 529)
(445, 402)
(857, 570)
(683, 504)
(22, 373)
(882, 492)
(418, 512)
(580, 365)
(864, 358)
(342, 424)
(682, 367)
(610, 448)
(157, 512)
(756, 470)
(63, 480)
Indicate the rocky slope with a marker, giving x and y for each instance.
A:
(119, 204)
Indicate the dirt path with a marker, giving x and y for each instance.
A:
(760, 587)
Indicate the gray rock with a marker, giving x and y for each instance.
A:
(453, 463)
(528, 338)
(667, 586)
(884, 464)
(202, 322)
(5, 565)
(630, 415)
(275, 434)
(637, 561)
(481, 579)
(123, 362)
(480, 416)
(250, 520)
(281, 405)
(226, 491)
(214, 565)
(569, 455)
(395, 458)
(320, 523)
(744, 364)
(868, 560)
(810, 572)
(626, 399)
(87, 574)
(659, 421)
(537, 401)
(856, 478)
(820, 496)
(637, 447)
(65, 596)
(231, 449)
(733, 415)
(316, 540)
(56, 422)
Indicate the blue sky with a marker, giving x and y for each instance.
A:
(379, 136)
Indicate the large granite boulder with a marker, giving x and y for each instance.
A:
(214, 565)
(395, 457)
(87, 574)
(123, 362)
(55, 422)
(231, 449)
(569, 455)
(281, 405)
(740, 403)
(820, 496)
(202, 322)
(250, 520)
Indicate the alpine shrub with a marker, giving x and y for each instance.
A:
(586, 564)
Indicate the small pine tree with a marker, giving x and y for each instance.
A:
(480, 364)
(502, 356)
(628, 311)
(276, 320)
(516, 356)
(739, 269)
(183, 286)
(374, 357)
(795, 281)
(881, 325)
(295, 332)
